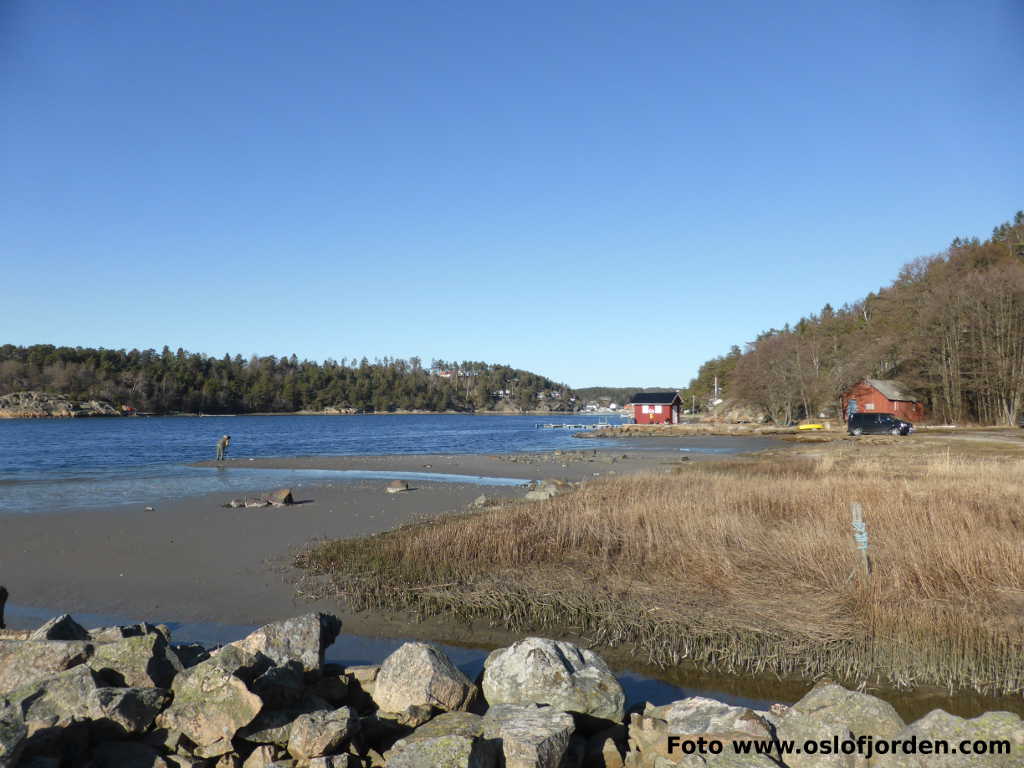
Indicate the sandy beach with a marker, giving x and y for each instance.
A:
(195, 560)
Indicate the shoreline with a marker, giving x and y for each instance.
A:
(122, 559)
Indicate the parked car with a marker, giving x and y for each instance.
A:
(878, 424)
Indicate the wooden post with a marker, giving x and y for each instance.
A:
(860, 536)
(3, 602)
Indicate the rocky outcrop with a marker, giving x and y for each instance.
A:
(270, 701)
(46, 405)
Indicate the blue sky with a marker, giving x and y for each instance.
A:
(605, 193)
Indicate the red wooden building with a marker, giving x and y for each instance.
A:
(656, 407)
(882, 396)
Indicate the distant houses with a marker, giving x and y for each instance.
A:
(656, 407)
(882, 396)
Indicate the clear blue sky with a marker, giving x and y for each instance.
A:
(602, 192)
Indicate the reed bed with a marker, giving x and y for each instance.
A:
(743, 566)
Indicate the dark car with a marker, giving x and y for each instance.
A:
(878, 424)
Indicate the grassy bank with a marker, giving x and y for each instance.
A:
(744, 565)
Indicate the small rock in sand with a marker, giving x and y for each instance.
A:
(397, 486)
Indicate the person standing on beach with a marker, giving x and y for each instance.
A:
(222, 447)
(3, 602)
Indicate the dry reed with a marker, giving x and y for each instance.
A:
(740, 566)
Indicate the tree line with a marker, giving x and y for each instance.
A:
(188, 382)
(950, 327)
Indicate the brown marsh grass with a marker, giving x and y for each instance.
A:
(740, 566)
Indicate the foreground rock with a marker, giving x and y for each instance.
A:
(302, 640)
(270, 701)
(26, 661)
(420, 674)
(530, 737)
(556, 673)
(212, 702)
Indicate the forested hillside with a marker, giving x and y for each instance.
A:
(180, 381)
(950, 327)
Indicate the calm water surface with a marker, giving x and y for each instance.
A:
(61, 464)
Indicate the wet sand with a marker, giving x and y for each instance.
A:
(194, 560)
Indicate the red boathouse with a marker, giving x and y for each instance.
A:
(656, 407)
(882, 396)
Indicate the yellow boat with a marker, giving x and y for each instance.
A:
(811, 426)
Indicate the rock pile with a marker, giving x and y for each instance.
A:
(129, 697)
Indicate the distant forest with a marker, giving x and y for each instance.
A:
(168, 382)
(951, 327)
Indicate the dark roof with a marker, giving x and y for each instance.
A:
(654, 398)
(893, 390)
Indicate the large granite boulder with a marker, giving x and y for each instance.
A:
(303, 639)
(23, 662)
(861, 713)
(12, 736)
(553, 672)
(212, 702)
(417, 674)
(140, 661)
(321, 733)
(530, 737)
(61, 628)
(1003, 729)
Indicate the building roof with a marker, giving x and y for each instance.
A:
(654, 398)
(894, 390)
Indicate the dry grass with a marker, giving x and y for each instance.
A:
(741, 565)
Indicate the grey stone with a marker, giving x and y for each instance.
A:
(798, 727)
(114, 634)
(274, 726)
(23, 662)
(861, 713)
(303, 639)
(530, 737)
(691, 719)
(421, 674)
(211, 703)
(321, 733)
(120, 712)
(938, 724)
(60, 628)
(559, 674)
(450, 724)
(140, 661)
(56, 700)
(281, 686)
(442, 752)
